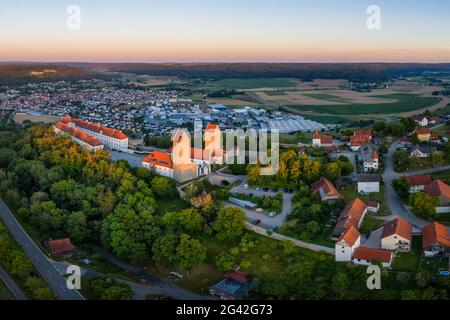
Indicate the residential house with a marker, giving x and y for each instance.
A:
(420, 151)
(82, 138)
(234, 286)
(322, 141)
(370, 158)
(368, 183)
(435, 240)
(439, 189)
(352, 215)
(347, 244)
(359, 139)
(365, 256)
(423, 134)
(405, 143)
(397, 235)
(60, 247)
(160, 163)
(372, 206)
(421, 120)
(325, 190)
(418, 183)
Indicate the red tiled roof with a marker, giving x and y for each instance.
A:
(78, 134)
(350, 236)
(211, 126)
(399, 227)
(350, 216)
(372, 254)
(237, 275)
(160, 159)
(359, 141)
(423, 131)
(437, 188)
(59, 246)
(362, 133)
(419, 180)
(327, 187)
(435, 233)
(113, 133)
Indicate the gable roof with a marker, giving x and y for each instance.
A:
(368, 178)
(398, 227)
(437, 188)
(211, 126)
(356, 141)
(113, 133)
(324, 187)
(372, 254)
(362, 133)
(59, 246)
(159, 158)
(350, 236)
(237, 275)
(350, 216)
(419, 180)
(435, 233)
(78, 134)
(422, 131)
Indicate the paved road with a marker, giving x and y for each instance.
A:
(42, 264)
(135, 160)
(11, 285)
(278, 220)
(395, 205)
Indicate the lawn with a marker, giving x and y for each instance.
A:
(409, 261)
(171, 204)
(443, 111)
(404, 103)
(370, 223)
(350, 194)
(239, 83)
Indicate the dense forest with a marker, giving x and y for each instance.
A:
(17, 74)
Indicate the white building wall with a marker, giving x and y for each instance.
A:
(344, 252)
(392, 243)
(369, 187)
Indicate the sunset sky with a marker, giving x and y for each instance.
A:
(226, 30)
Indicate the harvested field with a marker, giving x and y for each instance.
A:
(19, 118)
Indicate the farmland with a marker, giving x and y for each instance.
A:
(257, 83)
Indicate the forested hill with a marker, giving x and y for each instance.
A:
(356, 72)
(14, 74)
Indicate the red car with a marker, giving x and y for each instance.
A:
(257, 222)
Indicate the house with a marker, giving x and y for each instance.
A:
(234, 286)
(365, 256)
(322, 141)
(435, 240)
(370, 158)
(368, 183)
(160, 163)
(325, 190)
(435, 139)
(363, 133)
(352, 215)
(347, 244)
(421, 121)
(423, 134)
(113, 139)
(82, 138)
(356, 142)
(405, 143)
(397, 235)
(420, 152)
(439, 189)
(372, 206)
(59, 248)
(418, 183)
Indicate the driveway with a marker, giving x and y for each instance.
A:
(278, 220)
(135, 160)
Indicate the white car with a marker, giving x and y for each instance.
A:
(272, 214)
(245, 186)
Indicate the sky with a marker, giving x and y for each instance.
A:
(225, 31)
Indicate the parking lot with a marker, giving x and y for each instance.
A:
(264, 219)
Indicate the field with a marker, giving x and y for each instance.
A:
(404, 103)
(444, 111)
(257, 83)
(19, 118)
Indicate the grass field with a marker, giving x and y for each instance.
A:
(256, 83)
(322, 119)
(409, 261)
(327, 97)
(275, 93)
(443, 111)
(19, 118)
(404, 103)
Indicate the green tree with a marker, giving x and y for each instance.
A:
(164, 249)
(189, 252)
(401, 187)
(437, 158)
(77, 227)
(423, 205)
(332, 171)
(188, 220)
(229, 224)
(225, 262)
(162, 186)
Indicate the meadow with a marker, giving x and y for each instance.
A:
(256, 83)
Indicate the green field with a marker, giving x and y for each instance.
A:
(405, 103)
(256, 83)
(321, 119)
(443, 111)
(327, 97)
(409, 261)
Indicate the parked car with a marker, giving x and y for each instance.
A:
(285, 190)
(272, 214)
(275, 189)
(256, 222)
(272, 228)
(265, 189)
(245, 186)
(258, 188)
